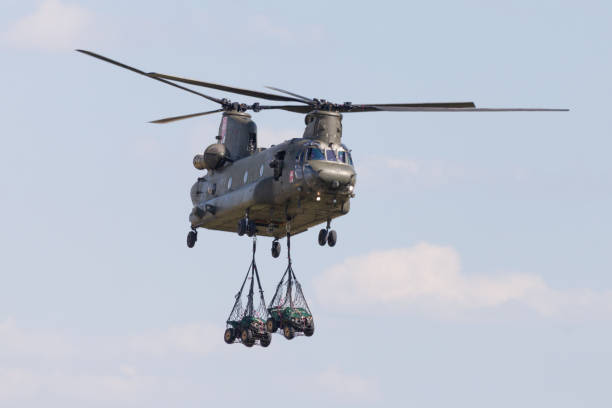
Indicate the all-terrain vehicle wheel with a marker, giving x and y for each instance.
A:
(289, 332)
(247, 337)
(192, 237)
(265, 340)
(271, 325)
(332, 238)
(242, 227)
(322, 237)
(276, 249)
(309, 330)
(229, 336)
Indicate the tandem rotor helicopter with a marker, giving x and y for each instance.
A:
(287, 188)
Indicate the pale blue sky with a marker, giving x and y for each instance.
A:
(475, 265)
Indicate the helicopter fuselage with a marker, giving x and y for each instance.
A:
(304, 181)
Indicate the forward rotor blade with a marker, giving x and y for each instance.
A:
(391, 106)
(193, 115)
(305, 99)
(290, 108)
(439, 109)
(119, 64)
(241, 91)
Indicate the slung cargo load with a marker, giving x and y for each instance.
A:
(288, 309)
(246, 323)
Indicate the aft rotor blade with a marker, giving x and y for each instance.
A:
(193, 115)
(119, 64)
(305, 99)
(241, 91)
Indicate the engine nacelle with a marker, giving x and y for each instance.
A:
(213, 158)
(198, 162)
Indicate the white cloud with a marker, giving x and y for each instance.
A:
(62, 365)
(98, 389)
(198, 339)
(428, 278)
(17, 342)
(54, 26)
(347, 386)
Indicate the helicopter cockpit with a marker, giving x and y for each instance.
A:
(342, 155)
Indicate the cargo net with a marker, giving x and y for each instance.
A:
(288, 309)
(244, 314)
(289, 292)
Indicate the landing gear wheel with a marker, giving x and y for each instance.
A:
(242, 227)
(192, 237)
(265, 340)
(247, 338)
(332, 238)
(229, 336)
(271, 326)
(309, 331)
(289, 332)
(251, 228)
(322, 237)
(276, 249)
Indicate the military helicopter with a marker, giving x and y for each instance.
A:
(283, 189)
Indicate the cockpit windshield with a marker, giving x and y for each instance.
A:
(342, 156)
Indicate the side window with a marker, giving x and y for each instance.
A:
(300, 157)
(342, 156)
(331, 155)
(246, 177)
(315, 154)
(229, 183)
(350, 159)
(261, 169)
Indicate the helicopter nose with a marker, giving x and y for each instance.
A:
(335, 175)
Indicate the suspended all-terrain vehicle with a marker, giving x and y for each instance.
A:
(246, 324)
(288, 309)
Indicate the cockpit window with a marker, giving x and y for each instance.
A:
(331, 155)
(342, 156)
(350, 159)
(315, 154)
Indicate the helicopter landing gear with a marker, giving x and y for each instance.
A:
(322, 237)
(327, 236)
(192, 237)
(246, 226)
(242, 226)
(332, 238)
(276, 248)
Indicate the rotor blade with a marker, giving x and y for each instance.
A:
(383, 106)
(241, 91)
(305, 99)
(290, 108)
(119, 64)
(440, 109)
(193, 115)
